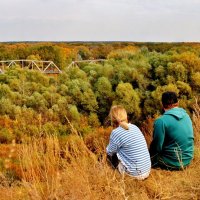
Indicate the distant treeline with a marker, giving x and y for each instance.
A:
(133, 75)
(62, 53)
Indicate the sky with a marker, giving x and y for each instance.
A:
(100, 20)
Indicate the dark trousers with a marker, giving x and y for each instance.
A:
(113, 160)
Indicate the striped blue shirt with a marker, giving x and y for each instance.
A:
(131, 149)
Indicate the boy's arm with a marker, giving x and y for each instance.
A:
(158, 137)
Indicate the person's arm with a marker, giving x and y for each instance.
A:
(158, 137)
(111, 151)
(112, 147)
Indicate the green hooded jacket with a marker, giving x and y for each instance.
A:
(173, 139)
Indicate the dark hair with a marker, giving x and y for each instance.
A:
(169, 98)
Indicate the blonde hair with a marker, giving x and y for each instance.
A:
(118, 116)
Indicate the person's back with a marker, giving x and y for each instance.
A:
(132, 150)
(127, 149)
(173, 143)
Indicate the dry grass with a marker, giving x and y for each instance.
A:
(196, 122)
(76, 169)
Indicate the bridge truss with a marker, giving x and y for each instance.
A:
(76, 63)
(46, 67)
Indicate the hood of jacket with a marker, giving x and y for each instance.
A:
(178, 113)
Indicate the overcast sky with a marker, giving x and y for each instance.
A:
(100, 20)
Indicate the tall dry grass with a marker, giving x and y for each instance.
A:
(76, 169)
(196, 121)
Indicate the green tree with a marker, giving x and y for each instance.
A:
(178, 71)
(104, 96)
(184, 89)
(128, 97)
(83, 53)
(196, 81)
(75, 115)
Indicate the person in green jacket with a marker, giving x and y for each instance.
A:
(172, 147)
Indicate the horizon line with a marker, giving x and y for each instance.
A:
(94, 41)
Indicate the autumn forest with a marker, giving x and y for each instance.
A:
(77, 101)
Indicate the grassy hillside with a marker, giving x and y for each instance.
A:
(77, 169)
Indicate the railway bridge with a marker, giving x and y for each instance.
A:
(46, 67)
